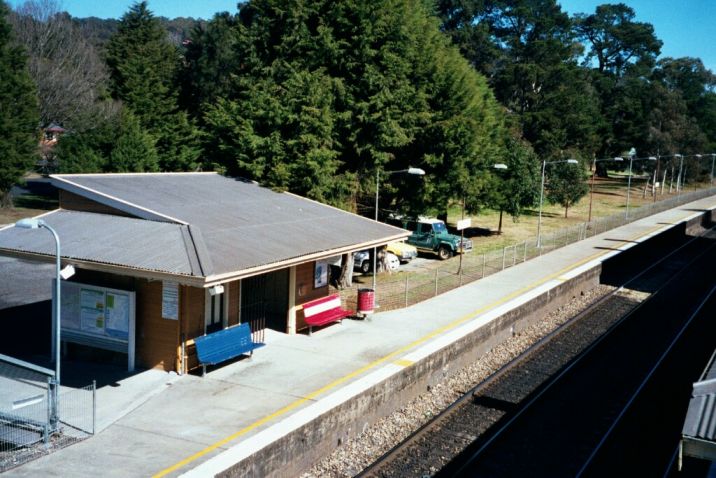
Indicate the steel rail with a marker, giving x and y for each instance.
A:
(427, 427)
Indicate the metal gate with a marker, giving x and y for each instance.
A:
(264, 302)
(34, 420)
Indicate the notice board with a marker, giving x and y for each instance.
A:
(99, 317)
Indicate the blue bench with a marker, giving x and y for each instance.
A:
(224, 345)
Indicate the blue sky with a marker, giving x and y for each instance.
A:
(687, 27)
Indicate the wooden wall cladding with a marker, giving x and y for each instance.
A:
(234, 295)
(157, 338)
(75, 202)
(305, 291)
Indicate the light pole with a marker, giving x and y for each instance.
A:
(32, 223)
(415, 171)
(713, 160)
(631, 160)
(594, 172)
(499, 167)
(678, 178)
(541, 196)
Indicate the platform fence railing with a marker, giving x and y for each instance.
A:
(403, 289)
(29, 428)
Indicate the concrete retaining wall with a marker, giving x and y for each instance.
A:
(298, 451)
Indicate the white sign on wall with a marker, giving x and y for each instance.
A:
(170, 300)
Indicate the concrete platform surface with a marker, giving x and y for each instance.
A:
(158, 424)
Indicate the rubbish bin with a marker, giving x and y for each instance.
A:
(366, 301)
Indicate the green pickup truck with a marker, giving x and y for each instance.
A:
(431, 235)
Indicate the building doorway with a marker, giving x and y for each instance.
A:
(264, 301)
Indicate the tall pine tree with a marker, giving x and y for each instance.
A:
(19, 116)
(325, 94)
(143, 68)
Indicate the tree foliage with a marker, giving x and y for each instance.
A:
(143, 67)
(322, 95)
(616, 39)
(565, 184)
(69, 74)
(517, 187)
(18, 112)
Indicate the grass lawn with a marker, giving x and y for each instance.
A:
(27, 205)
(609, 198)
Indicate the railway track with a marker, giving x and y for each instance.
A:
(473, 435)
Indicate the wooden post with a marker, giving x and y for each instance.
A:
(291, 319)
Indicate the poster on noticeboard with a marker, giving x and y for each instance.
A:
(320, 276)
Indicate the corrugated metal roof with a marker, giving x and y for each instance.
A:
(235, 224)
(700, 419)
(137, 243)
(31, 282)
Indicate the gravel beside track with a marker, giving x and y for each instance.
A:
(354, 455)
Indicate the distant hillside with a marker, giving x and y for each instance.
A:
(98, 30)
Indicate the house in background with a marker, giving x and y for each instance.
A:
(162, 258)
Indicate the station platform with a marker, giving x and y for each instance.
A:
(299, 392)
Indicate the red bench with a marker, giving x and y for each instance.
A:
(324, 311)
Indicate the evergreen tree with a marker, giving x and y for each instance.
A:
(19, 115)
(143, 67)
(517, 187)
(566, 184)
(134, 149)
(325, 94)
(527, 48)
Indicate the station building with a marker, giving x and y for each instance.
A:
(162, 258)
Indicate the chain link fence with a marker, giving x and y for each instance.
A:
(407, 288)
(29, 426)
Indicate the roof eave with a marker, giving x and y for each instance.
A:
(215, 279)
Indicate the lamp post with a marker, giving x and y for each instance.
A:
(678, 178)
(541, 196)
(414, 171)
(32, 223)
(499, 167)
(594, 172)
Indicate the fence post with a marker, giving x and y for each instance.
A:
(514, 254)
(460, 273)
(94, 406)
(484, 260)
(436, 281)
(406, 289)
(504, 253)
(525, 256)
(46, 428)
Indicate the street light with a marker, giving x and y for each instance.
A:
(32, 223)
(678, 178)
(594, 172)
(541, 196)
(414, 171)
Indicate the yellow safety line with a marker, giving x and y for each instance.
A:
(345, 378)
(404, 362)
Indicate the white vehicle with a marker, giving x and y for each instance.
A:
(391, 262)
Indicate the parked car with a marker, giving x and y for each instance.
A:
(404, 252)
(431, 235)
(392, 263)
(361, 262)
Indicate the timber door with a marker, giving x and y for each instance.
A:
(264, 301)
